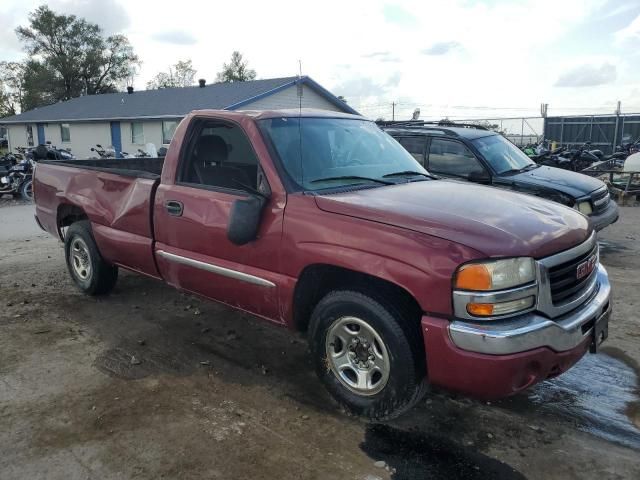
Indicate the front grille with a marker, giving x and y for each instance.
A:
(563, 278)
(600, 200)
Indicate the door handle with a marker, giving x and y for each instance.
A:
(174, 207)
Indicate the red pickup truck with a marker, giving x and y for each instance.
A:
(323, 223)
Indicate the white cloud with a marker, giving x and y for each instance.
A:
(109, 14)
(370, 51)
(630, 32)
(177, 37)
(588, 76)
(382, 56)
(442, 48)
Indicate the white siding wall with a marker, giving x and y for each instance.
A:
(18, 136)
(83, 137)
(288, 98)
(152, 133)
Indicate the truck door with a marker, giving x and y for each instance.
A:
(218, 166)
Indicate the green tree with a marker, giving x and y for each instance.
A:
(182, 74)
(71, 57)
(6, 107)
(11, 87)
(236, 70)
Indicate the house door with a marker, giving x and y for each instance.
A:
(116, 138)
(41, 139)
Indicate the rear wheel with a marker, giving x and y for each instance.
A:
(368, 354)
(90, 272)
(26, 190)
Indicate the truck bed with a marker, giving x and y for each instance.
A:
(115, 195)
(131, 167)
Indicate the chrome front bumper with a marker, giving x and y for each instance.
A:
(532, 330)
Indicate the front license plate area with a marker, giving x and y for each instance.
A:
(600, 332)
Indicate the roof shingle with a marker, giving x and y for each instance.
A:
(165, 102)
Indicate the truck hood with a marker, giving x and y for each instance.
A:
(573, 184)
(492, 221)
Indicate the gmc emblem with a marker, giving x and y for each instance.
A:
(586, 267)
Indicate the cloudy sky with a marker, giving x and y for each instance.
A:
(456, 58)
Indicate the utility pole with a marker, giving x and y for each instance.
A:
(393, 111)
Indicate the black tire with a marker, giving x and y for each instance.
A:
(401, 335)
(26, 190)
(99, 277)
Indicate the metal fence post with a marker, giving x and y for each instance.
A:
(615, 133)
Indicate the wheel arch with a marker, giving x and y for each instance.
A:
(317, 280)
(66, 215)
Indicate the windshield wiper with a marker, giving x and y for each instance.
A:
(352, 177)
(409, 172)
(523, 169)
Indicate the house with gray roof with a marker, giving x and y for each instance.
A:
(129, 120)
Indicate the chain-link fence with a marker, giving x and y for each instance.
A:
(520, 130)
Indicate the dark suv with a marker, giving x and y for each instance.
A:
(475, 154)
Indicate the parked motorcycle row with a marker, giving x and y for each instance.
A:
(16, 169)
(109, 152)
(582, 158)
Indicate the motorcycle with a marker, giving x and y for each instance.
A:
(103, 152)
(16, 178)
(574, 159)
(49, 152)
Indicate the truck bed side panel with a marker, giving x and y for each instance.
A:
(118, 206)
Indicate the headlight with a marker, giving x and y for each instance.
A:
(584, 207)
(495, 274)
(495, 288)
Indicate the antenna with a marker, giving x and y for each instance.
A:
(299, 91)
(299, 85)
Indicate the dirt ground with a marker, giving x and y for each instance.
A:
(148, 383)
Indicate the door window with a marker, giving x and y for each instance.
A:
(450, 157)
(415, 146)
(221, 156)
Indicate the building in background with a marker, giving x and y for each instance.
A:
(127, 121)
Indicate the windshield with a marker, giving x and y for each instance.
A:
(321, 153)
(501, 154)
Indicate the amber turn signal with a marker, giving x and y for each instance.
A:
(480, 309)
(473, 277)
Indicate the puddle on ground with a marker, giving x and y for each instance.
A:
(416, 456)
(598, 395)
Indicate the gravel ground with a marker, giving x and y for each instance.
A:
(151, 383)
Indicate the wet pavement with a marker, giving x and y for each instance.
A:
(599, 395)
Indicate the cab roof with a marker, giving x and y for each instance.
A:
(289, 112)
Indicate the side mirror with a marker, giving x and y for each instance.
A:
(479, 176)
(244, 219)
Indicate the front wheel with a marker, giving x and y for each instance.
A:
(368, 353)
(89, 271)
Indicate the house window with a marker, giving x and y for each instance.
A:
(137, 133)
(65, 132)
(168, 129)
(30, 135)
